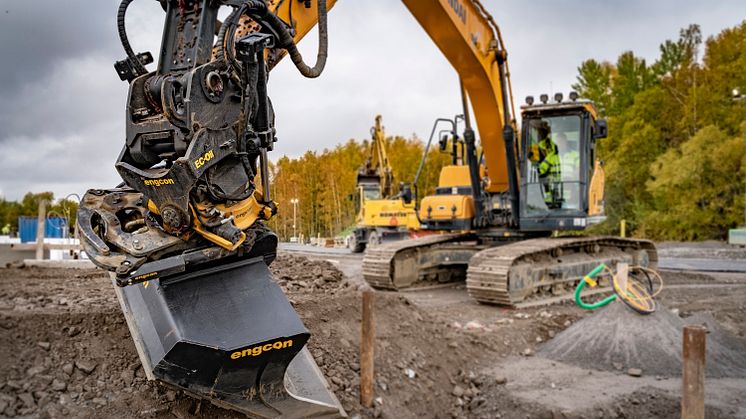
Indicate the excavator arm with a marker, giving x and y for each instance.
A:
(470, 40)
(377, 169)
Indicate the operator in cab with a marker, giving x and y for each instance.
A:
(549, 167)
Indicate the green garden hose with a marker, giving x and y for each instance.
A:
(636, 296)
(588, 279)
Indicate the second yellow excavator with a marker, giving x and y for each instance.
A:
(382, 216)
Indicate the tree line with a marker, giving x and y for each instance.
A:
(676, 152)
(325, 183)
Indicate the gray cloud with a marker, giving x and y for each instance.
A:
(62, 113)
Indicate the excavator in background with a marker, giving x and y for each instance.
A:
(382, 216)
(498, 213)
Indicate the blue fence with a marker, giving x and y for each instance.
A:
(55, 227)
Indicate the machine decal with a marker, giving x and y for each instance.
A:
(203, 159)
(144, 276)
(158, 182)
(259, 349)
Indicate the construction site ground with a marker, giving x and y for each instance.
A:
(67, 351)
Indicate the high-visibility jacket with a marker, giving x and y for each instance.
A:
(570, 164)
(549, 164)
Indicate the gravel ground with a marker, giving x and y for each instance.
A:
(68, 352)
(616, 338)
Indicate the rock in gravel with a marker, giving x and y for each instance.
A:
(128, 376)
(58, 385)
(85, 366)
(44, 379)
(634, 372)
(500, 380)
(170, 395)
(458, 391)
(99, 401)
(527, 352)
(44, 345)
(27, 399)
(34, 371)
(68, 369)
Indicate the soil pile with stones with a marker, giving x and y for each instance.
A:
(298, 274)
(616, 338)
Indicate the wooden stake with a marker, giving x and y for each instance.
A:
(693, 378)
(366, 351)
(40, 227)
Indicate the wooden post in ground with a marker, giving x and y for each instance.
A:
(366, 351)
(40, 227)
(693, 377)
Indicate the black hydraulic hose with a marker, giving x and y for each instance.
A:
(323, 48)
(123, 37)
(228, 22)
(258, 9)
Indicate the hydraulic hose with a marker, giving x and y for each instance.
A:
(636, 296)
(257, 9)
(315, 71)
(588, 279)
(124, 40)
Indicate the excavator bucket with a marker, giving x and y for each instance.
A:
(229, 335)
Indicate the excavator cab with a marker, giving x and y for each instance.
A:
(558, 142)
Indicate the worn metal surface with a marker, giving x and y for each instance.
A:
(230, 336)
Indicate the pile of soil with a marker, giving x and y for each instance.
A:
(616, 338)
(299, 274)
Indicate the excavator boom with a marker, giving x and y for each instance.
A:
(470, 40)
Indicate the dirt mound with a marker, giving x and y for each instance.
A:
(615, 338)
(298, 273)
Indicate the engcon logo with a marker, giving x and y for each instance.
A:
(203, 159)
(158, 182)
(260, 349)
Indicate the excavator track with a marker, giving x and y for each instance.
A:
(536, 269)
(409, 263)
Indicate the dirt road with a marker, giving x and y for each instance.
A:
(68, 353)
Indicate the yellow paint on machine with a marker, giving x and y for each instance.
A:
(260, 349)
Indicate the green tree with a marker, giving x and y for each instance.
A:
(594, 83)
(698, 188)
(631, 77)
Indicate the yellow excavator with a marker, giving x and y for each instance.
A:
(499, 212)
(382, 216)
(184, 236)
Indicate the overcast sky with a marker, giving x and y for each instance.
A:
(62, 107)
